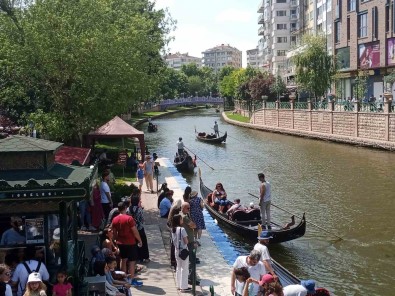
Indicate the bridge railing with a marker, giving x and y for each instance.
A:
(192, 100)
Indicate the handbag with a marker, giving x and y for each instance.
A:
(184, 253)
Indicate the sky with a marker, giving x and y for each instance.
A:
(203, 24)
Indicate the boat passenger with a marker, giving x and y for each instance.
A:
(220, 195)
(235, 206)
(264, 285)
(306, 287)
(180, 146)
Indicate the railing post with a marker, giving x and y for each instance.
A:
(292, 102)
(387, 111)
(309, 108)
(356, 111)
(331, 108)
(278, 113)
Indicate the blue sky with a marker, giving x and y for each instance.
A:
(202, 24)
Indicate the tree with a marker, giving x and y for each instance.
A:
(191, 70)
(195, 85)
(76, 64)
(314, 66)
(361, 85)
(278, 86)
(261, 85)
(173, 84)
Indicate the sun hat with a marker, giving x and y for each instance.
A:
(56, 233)
(251, 204)
(194, 193)
(309, 285)
(266, 279)
(264, 235)
(34, 277)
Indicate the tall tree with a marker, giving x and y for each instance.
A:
(78, 63)
(314, 66)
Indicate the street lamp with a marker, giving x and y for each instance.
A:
(196, 94)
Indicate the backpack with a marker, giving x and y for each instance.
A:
(29, 271)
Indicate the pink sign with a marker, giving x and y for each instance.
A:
(391, 51)
(369, 55)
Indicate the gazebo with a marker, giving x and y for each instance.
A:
(118, 128)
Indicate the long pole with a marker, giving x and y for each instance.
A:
(228, 135)
(300, 218)
(199, 158)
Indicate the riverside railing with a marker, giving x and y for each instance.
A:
(339, 106)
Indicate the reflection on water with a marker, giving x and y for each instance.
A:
(345, 189)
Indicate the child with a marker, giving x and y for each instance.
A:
(35, 286)
(62, 288)
(140, 176)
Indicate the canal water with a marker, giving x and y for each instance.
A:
(347, 190)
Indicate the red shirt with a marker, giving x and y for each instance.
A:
(61, 290)
(123, 224)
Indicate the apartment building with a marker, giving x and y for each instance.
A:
(176, 60)
(252, 58)
(363, 40)
(283, 23)
(221, 56)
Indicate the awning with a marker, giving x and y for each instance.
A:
(68, 154)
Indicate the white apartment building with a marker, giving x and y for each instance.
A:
(277, 18)
(283, 22)
(176, 60)
(221, 56)
(252, 58)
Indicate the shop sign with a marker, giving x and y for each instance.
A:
(44, 193)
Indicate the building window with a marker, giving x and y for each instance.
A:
(363, 25)
(281, 13)
(348, 28)
(281, 1)
(337, 31)
(281, 39)
(374, 22)
(351, 5)
(281, 26)
(281, 53)
(387, 18)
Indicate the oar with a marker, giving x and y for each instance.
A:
(199, 158)
(308, 221)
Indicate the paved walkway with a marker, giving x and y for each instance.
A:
(159, 279)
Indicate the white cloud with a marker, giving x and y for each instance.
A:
(234, 15)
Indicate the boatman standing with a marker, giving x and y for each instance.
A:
(216, 129)
(180, 146)
(265, 200)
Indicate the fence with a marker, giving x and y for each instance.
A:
(343, 120)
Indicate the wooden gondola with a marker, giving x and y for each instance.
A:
(185, 164)
(245, 223)
(152, 128)
(217, 110)
(212, 139)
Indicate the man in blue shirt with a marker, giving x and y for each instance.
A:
(14, 235)
(165, 204)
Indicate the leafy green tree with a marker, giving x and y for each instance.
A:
(314, 66)
(195, 85)
(77, 64)
(174, 83)
(191, 70)
(278, 87)
(361, 85)
(225, 71)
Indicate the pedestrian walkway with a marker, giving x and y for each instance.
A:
(213, 269)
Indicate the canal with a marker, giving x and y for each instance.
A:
(347, 190)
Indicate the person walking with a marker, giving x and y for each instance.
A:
(265, 200)
(140, 175)
(148, 167)
(105, 194)
(216, 130)
(126, 234)
(180, 241)
(197, 206)
(180, 147)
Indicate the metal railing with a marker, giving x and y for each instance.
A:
(285, 105)
(319, 105)
(271, 105)
(301, 105)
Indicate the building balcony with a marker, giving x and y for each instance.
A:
(294, 3)
(294, 16)
(261, 19)
(261, 30)
(261, 6)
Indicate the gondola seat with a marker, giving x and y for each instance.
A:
(246, 215)
(202, 134)
(210, 200)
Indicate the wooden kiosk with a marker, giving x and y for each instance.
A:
(38, 206)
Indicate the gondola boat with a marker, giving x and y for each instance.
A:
(212, 139)
(152, 128)
(186, 164)
(217, 110)
(246, 223)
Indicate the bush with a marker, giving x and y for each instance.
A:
(121, 190)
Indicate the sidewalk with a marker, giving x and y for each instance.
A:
(159, 279)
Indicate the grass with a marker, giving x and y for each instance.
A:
(238, 117)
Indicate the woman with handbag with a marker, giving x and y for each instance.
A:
(180, 241)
